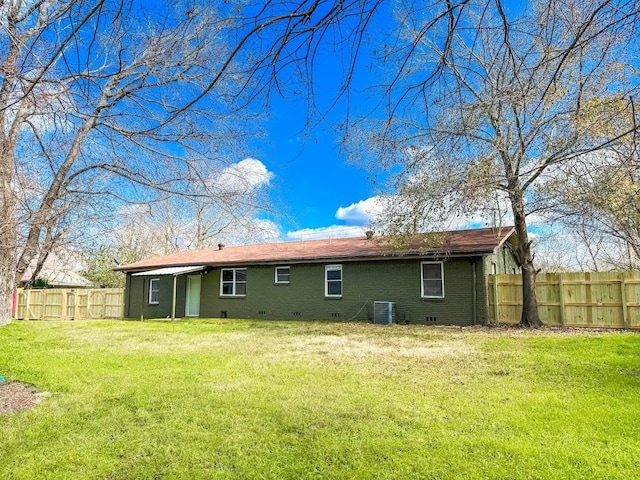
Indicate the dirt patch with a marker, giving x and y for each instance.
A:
(16, 396)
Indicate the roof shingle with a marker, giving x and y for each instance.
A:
(480, 241)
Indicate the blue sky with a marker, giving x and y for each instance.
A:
(317, 190)
(322, 194)
(311, 174)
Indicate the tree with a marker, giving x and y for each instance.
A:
(480, 101)
(113, 100)
(598, 197)
(100, 262)
(104, 102)
(108, 101)
(488, 111)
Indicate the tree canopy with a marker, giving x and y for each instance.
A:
(472, 103)
(477, 120)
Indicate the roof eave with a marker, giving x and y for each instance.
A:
(297, 261)
(505, 237)
(489, 247)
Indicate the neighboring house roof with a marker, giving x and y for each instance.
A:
(480, 241)
(60, 278)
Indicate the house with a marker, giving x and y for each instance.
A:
(59, 278)
(336, 279)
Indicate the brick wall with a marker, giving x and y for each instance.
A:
(304, 297)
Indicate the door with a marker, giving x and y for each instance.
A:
(193, 295)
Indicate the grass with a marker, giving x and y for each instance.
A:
(276, 400)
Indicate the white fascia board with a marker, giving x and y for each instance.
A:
(169, 271)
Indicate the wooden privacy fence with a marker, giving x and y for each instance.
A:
(609, 299)
(69, 303)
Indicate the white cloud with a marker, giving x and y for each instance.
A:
(357, 216)
(362, 212)
(249, 231)
(333, 231)
(244, 177)
(368, 211)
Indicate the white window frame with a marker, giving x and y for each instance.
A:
(332, 268)
(282, 282)
(234, 282)
(422, 264)
(154, 290)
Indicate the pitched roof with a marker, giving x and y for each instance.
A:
(480, 241)
(59, 278)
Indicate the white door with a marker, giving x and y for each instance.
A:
(193, 295)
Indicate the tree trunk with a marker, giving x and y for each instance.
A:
(530, 317)
(6, 288)
(8, 235)
(8, 139)
(7, 259)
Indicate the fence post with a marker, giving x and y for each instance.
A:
(63, 308)
(495, 300)
(76, 305)
(89, 298)
(588, 292)
(623, 298)
(563, 313)
(27, 304)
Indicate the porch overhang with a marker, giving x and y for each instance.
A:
(170, 271)
(175, 271)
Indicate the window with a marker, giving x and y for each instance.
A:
(154, 291)
(283, 274)
(432, 280)
(333, 280)
(233, 281)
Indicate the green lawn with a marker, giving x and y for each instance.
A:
(278, 400)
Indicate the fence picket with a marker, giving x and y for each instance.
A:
(590, 299)
(69, 303)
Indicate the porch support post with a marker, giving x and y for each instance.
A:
(173, 304)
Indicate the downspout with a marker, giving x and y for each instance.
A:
(173, 302)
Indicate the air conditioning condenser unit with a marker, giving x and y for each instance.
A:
(384, 313)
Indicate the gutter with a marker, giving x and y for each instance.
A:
(297, 261)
